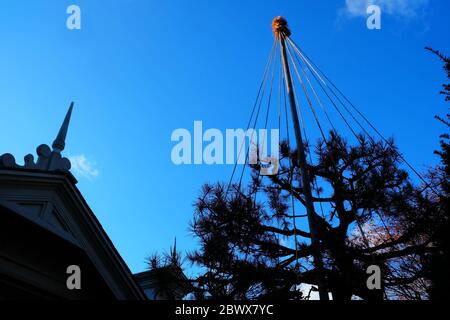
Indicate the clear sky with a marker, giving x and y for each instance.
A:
(139, 69)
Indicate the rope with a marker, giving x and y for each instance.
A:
(254, 126)
(260, 94)
(302, 54)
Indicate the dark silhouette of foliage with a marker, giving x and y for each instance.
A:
(167, 274)
(446, 90)
(252, 250)
(439, 263)
(254, 245)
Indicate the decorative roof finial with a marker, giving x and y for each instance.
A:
(48, 160)
(60, 141)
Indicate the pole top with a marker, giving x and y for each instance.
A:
(280, 27)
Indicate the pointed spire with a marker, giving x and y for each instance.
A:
(174, 251)
(174, 259)
(60, 141)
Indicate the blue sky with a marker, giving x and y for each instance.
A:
(137, 70)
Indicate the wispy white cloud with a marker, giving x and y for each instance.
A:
(407, 9)
(82, 167)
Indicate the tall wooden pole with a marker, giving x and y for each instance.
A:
(281, 31)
